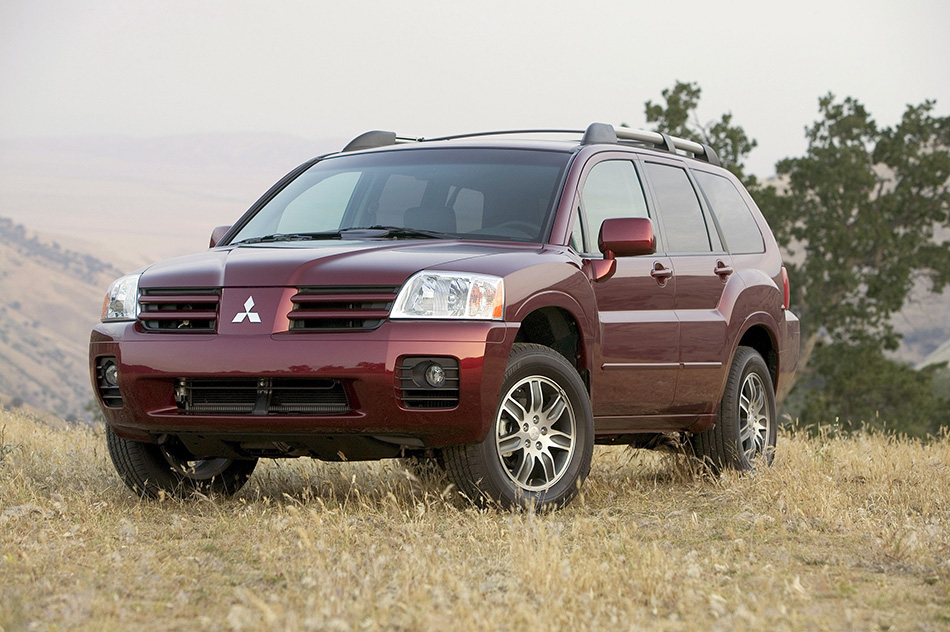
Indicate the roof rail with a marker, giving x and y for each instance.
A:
(701, 151)
(596, 133)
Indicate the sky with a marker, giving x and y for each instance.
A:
(317, 70)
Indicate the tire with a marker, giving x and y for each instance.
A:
(745, 429)
(538, 451)
(151, 470)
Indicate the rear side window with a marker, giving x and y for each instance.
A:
(679, 209)
(612, 189)
(739, 229)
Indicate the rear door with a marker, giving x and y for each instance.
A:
(638, 360)
(701, 268)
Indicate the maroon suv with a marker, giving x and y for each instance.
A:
(496, 304)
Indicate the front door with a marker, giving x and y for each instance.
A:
(636, 369)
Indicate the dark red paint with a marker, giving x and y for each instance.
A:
(656, 335)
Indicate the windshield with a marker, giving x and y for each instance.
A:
(473, 193)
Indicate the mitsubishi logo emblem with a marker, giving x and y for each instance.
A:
(247, 313)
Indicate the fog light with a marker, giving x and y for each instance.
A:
(110, 374)
(435, 375)
(107, 381)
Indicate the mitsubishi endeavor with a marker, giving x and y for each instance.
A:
(497, 302)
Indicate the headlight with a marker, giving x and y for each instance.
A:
(451, 295)
(122, 299)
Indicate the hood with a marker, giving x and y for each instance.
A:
(346, 262)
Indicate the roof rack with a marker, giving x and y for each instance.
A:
(596, 133)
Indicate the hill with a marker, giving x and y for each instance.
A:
(75, 213)
(940, 354)
(142, 199)
(52, 297)
(839, 534)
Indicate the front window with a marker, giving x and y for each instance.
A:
(474, 193)
(612, 189)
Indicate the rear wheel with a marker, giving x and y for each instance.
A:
(539, 449)
(150, 469)
(745, 430)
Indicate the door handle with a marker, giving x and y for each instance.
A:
(723, 269)
(660, 273)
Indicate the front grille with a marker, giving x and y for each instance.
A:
(341, 308)
(179, 310)
(414, 392)
(261, 396)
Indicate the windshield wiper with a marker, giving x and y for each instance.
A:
(327, 234)
(393, 232)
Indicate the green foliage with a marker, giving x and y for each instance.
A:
(941, 382)
(861, 217)
(858, 385)
(678, 118)
(862, 206)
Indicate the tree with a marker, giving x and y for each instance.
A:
(858, 385)
(678, 118)
(862, 216)
(859, 221)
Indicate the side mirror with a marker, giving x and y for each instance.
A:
(217, 234)
(626, 237)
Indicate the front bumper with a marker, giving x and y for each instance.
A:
(365, 362)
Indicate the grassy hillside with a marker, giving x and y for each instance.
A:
(50, 298)
(839, 534)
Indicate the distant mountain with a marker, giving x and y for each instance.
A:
(50, 298)
(75, 213)
(940, 354)
(143, 199)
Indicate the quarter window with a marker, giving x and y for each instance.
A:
(739, 230)
(679, 209)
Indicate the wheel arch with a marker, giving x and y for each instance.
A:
(758, 335)
(558, 328)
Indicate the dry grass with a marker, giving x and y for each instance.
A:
(839, 534)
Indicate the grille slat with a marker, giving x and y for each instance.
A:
(195, 315)
(365, 297)
(151, 299)
(179, 310)
(261, 396)
(340, 307)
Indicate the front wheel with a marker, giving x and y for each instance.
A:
(150, 469)
(745, 430)
(539, 449)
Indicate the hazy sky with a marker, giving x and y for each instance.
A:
(335, 69)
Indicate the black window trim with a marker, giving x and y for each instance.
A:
(708, 217)
(577, 209)
(739, 189)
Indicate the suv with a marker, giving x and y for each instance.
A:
(495, 304)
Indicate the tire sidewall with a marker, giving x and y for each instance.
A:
(526, 361)
(145, 470)
(747, 361)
